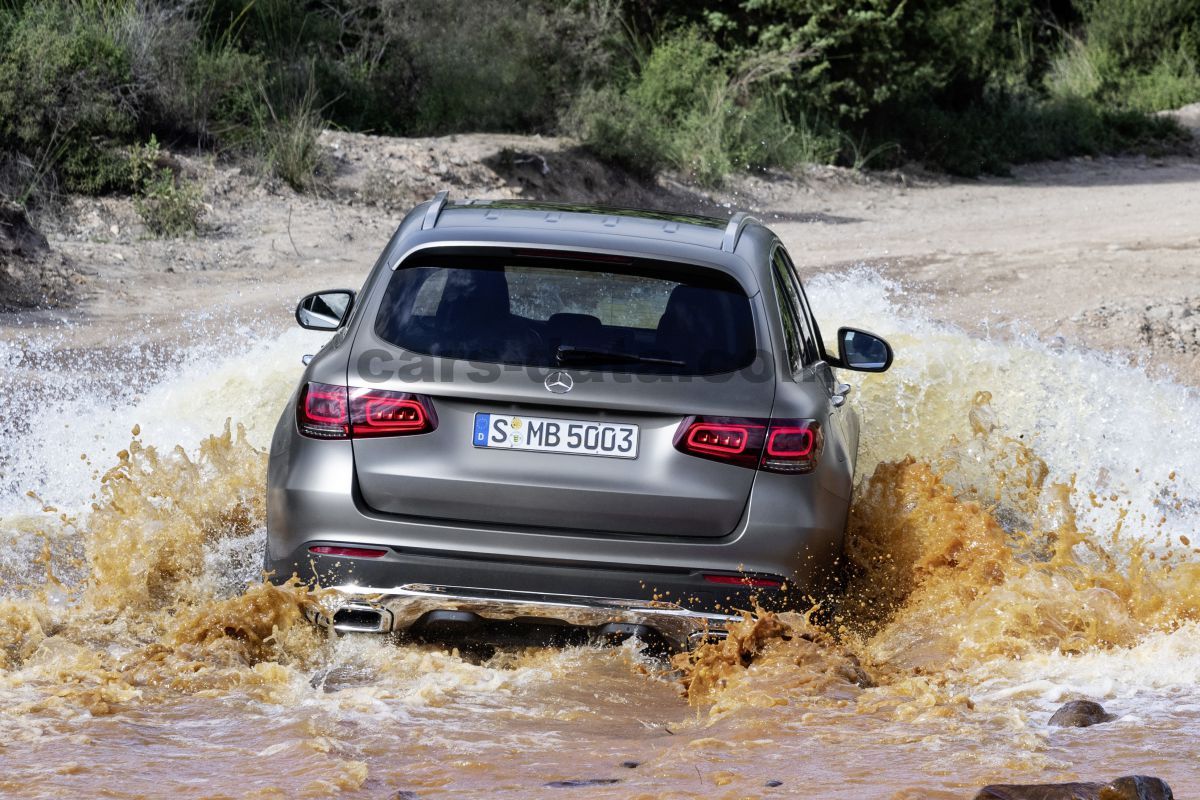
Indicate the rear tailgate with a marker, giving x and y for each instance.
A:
(631, 480)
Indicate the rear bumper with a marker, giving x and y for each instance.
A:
(408, 607)
(646, 587)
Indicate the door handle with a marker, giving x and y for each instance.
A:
(839, 396)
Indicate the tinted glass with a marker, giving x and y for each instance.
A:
(784, 281)
(792, 335)
(648, 318)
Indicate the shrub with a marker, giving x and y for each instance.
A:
(1172, 82)
(846, 58)
(702, 88)
(992, 135)
(424, 66)
(212, 95)
(686, 110)
(62, 82)
(497, 65)
(167, 204)
(1139, 54)
(765, 136)
(1097, 73)
(958, 84)
(616, 129)
(81, 80)
(290, 144)
(181, 85)
(1139, 31)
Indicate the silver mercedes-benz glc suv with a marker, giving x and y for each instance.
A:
(571, 422)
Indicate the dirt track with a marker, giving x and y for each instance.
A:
(1104, 253)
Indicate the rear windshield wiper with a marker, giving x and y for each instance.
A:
(569, 354)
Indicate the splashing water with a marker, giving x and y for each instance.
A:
(1024, 532)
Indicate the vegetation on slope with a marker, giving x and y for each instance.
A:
(965, 86)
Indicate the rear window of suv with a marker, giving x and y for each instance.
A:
(648, 317)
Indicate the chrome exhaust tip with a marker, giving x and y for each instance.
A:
(362, 618)
(356, 618)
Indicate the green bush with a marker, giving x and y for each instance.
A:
(1173, 82)
(82, 80)
(1139, 31)
(686, 110)
(496, 65)
(765, 136)
(62, 78)
(700, 88)
(670, 115)
(212, 95)
(290, 146)
(168, 205)
(183, 86)
(846, 58)
(424, 66)
(1138, 54)
(613, 127)
(992, 135)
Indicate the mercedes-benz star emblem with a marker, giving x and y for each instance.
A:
(559, 382)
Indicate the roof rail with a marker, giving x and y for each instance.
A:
(435, 210)
(734, 230)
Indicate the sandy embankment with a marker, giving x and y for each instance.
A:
(1104, 253)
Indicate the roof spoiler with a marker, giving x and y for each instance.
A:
(733, 230)
(435, 210)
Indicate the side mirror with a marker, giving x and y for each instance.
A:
(863, 351)
(324, 311)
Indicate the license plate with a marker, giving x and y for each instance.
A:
(547, 435)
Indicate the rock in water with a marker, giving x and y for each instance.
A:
(1132, 787)
(1137, 787)
(1080, 714)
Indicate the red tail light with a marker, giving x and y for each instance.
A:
(323, 411)
(746, 580)
(732, 439)
(336, 412)
(781, 445)
(792, 446)
(378, 413)
(349, 552)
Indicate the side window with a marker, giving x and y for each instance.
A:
(806, 347)
(812, 321)
(812, 336)
(792, 336)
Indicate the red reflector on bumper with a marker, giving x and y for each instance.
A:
(745, 580)
(349, 552)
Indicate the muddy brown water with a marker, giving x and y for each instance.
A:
(1024, 533)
